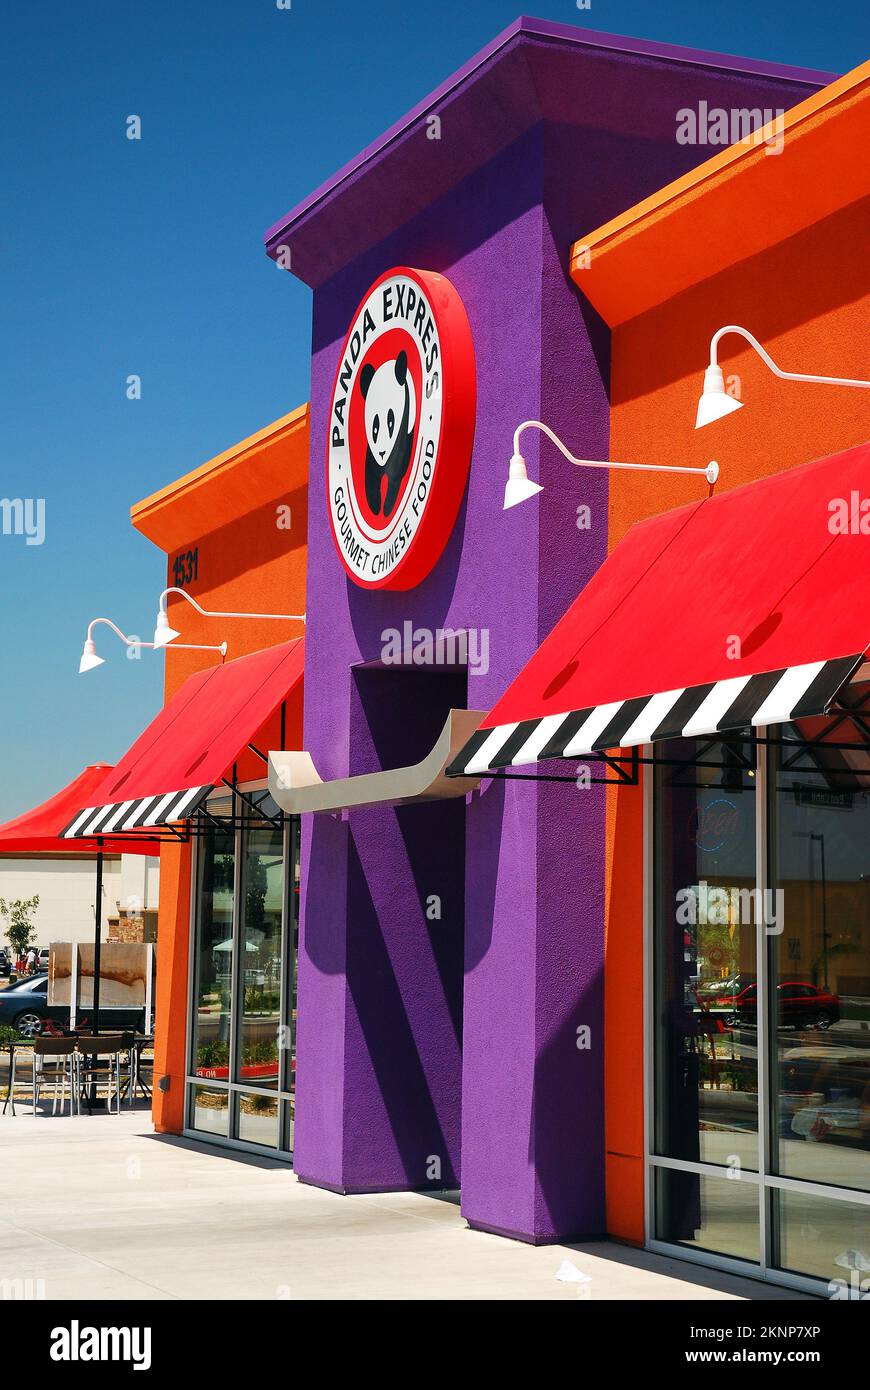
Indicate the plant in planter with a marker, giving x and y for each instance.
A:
(258, 1105)
(210, 1055)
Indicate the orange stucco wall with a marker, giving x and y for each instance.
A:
(805, 298)
(246, 514)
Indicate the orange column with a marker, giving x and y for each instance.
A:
(172, 987)
(623, 1015)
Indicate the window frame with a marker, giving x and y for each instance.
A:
(234, 1089)
(768, 1183)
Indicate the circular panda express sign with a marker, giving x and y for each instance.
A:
(401, 429)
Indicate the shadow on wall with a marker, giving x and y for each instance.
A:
(567, 1138)
(416, 1125)
(372, 612)
(324, 929)
(560, 1195)
(250, 541)
(434, 838)
(400, 1023)
(387, 912)
(758, 293)
(397, 712)
(481, 879)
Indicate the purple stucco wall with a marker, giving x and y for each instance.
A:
(388, 1075)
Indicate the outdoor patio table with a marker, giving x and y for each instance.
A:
(12, 1047)
(133, 1080)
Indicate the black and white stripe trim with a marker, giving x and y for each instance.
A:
(774, 697)
(142, 813)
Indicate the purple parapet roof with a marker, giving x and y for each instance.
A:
(564, 37)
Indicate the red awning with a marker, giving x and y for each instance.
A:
(748, 608)
(39, 831)
(186, 751)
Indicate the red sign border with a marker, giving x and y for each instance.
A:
(457, 430)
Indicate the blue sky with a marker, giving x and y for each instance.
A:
(122, 257)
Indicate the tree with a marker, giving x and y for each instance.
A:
(21, 932)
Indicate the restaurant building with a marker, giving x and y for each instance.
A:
(498, 800)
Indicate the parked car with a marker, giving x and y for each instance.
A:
(718, 989)
(42, 963)
(5, 962)
(25, 1007)
(799, 1004)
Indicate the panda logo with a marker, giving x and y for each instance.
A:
(390, 418)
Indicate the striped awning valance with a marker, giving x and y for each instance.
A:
(774, 697)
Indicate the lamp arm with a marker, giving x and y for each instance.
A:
(769, 362)
(128, 641)
(711, 472)
(190, 647)
(135, 642)
(218, 613)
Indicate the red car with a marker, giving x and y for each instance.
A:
(799, 1005)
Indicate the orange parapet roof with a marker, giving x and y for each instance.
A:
(735, 205)
(267, 465)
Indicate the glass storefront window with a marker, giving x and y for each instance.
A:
(820, 959)
(718, 1214)
(214, 955)
(260, 955)
(257, 1119)
(211, 1110)
(826, 1239)
(244, 973)
(706, 1081)
(804, 1016)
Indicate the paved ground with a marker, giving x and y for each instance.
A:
(101, 1207)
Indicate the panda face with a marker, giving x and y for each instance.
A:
(390, 410)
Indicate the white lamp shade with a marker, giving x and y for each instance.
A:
(163, 633)
(89, 658)
(519, 486)
(714, 402)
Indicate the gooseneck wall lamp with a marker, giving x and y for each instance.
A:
(715, 402)
(164, 634)
(520, 487)
(90, 659)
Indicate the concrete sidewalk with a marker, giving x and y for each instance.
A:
(101, 1207)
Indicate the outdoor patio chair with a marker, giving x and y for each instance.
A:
(99, 1060)
(55, 1060)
